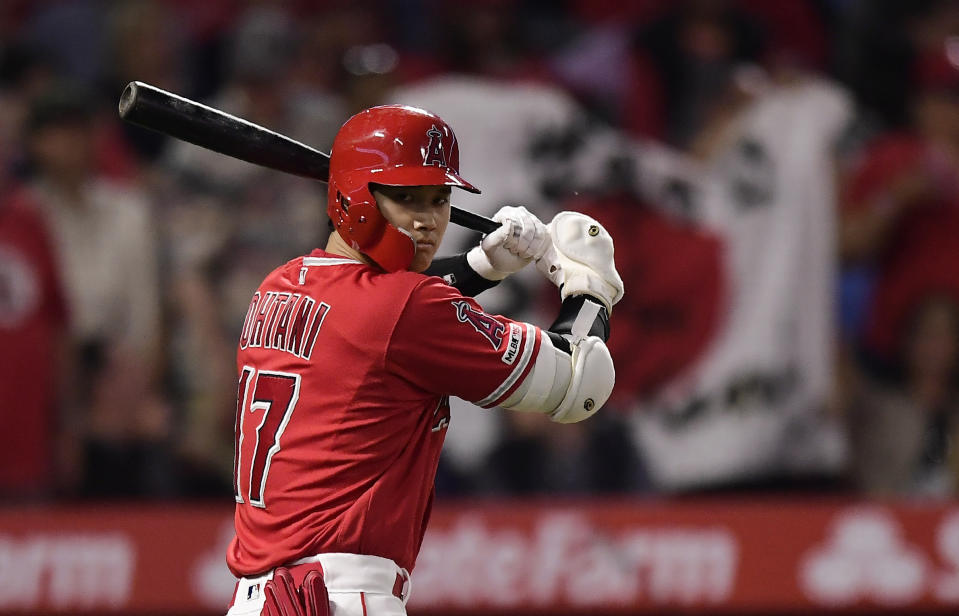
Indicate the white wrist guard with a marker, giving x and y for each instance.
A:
(580, 260)
(477, 259)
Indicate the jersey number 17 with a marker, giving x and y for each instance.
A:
(264, 403)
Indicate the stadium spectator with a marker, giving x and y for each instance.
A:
(756, 172)
(146, 45)
(903, 429)
(38, 459)
(694, 48)
(106, 255)
(901, 206)
(24, 73)
(876, 45)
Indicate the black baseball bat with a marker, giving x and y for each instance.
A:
(168, 113)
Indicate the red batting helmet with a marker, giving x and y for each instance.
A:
(394, 145)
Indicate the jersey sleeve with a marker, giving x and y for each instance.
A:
(446, 344)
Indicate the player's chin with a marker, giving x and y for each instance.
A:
(422, 259)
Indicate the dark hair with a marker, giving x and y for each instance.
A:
(60, 104)
(19, 60)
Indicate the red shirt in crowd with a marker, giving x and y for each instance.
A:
(32, 320)
(920, 255)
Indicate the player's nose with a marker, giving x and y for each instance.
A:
(426, 219)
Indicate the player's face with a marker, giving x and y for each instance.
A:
(424, 211)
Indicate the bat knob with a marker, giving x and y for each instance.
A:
(128, 99)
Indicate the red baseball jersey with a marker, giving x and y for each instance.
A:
(345, 374)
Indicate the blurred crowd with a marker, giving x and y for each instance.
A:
(781, 180)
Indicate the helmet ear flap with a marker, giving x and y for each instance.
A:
(354, 213)
(366, 224)
(395, 249)
(358, 220)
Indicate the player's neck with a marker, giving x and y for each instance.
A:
(338, 246)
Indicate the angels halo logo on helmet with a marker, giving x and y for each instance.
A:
(395, 145)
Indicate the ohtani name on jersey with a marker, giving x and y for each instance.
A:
(283, 321)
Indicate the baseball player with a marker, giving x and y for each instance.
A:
(348, 356)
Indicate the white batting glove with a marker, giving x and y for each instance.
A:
(579, 259)
(521, 238)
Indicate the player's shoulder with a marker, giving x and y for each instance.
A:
(413, 294)
(431, 288)
(369, 283)
(413, 291)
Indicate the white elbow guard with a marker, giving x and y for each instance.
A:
(590, 384)
(567, 388)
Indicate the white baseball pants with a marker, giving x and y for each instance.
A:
(358, 585)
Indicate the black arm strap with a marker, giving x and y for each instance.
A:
(457, 273)
(567, 316)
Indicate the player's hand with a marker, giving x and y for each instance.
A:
(521, 238)
(580, 259)
(283, 598)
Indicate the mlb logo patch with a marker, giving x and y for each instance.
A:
(512, 349)
(252, 592)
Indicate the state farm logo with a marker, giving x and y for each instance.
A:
(566, 558)
(864, 558)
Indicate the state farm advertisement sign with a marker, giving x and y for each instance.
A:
(626, 557)
(105, 559)
(589, 557)
(572, 559)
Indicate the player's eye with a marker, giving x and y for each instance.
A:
(442, 197)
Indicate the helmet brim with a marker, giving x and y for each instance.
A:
(420, 176)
